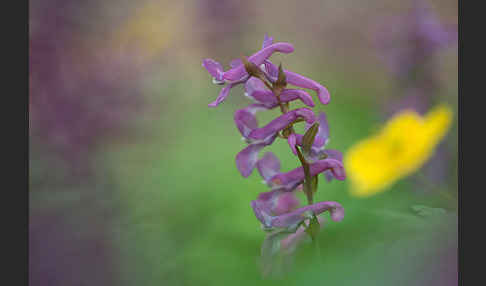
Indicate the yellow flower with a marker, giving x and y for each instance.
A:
(405, 143)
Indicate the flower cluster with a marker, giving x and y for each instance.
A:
(266, 84)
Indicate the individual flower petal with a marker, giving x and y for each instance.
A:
(258, 58)
(271, 69)
(214, 68)
(293, 178)
(225, 92)
(332, 154)
(291, 220)
(247, 158)
(282, 122)
(235, 63)
(302, 81)
(268, 166)
(288, 95)
(255, 85)
(297, 216)
(292, 140)
(245, 121)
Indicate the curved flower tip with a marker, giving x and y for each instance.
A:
(214, 68)
(302, 81)
(292, 94)
(268, 166)
(335, 208)
(323, 94)
(247, 158)
(335, 166)
(258, 58)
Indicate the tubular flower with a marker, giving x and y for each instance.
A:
(258, 138)
(278, 209)
(317, 151)
(375, 163)
(237, 74)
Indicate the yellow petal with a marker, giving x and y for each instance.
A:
(404, 144)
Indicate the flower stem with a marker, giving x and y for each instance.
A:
(284, 108)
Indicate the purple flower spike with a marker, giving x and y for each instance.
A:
(258, 58)
(302, 81)
(268, 166)
(281, 122)
(293, 178)
(278, 209)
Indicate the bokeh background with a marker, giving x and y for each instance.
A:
(132, 176)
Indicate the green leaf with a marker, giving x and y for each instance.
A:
(309, 137)
(313, 227)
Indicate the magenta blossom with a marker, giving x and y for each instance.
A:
(274, 209)
(269, 168)
(238, 75)
(317, 150)
(258, 138)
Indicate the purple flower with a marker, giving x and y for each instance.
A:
(258, 138)
(298, 80)
(276, 209)
(317, 151)
(269, 168)
(237, 75)
(256, 90)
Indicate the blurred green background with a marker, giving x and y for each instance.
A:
(133, 179)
